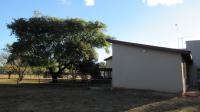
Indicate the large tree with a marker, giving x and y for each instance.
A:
(57, 43)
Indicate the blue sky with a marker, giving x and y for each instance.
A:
(140, 21)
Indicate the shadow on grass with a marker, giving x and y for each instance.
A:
(48, 97)
(61, 82)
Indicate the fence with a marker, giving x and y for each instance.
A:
(14, 80)
(67, 79)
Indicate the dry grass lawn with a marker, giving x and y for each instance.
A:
(62, 98)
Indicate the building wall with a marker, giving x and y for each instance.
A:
(194, 47)
(109, 63)
(141, 68)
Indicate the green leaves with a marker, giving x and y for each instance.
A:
(57, 43)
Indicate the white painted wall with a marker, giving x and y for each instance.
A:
(109, 63)
(141, 68)
(194, 47)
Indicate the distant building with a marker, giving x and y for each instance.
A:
(108, 62)
(194, 73)
(107, 72)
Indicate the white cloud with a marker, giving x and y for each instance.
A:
(89, 2)
(162, 2)
(65, 2)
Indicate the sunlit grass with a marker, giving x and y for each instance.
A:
(171, 105)
(31, 81)
(15, 76)
(8, 81)
(187, 109)
(35, 81)
(25, 76)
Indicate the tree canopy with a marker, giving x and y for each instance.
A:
(57, 43)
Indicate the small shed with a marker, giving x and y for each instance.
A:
(108, 62)
(149, 67)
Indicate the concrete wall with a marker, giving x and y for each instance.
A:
(141, 68)
(109, 63)
(194, 47)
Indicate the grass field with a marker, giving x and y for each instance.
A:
(62, 98)
(14, 76)
(14, 81)
(4, 79)
(34, 79)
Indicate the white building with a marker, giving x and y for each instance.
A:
(148, 67)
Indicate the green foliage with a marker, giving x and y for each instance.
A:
(6, 68)
(102, 64)
(38, 70)
(18, 65)
(89, 67)
(3, 59)
(57, 43)
(15, 63)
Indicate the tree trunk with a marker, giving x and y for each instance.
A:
(9, 75)
(55, 74)
(54, 78)
(20, 76)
